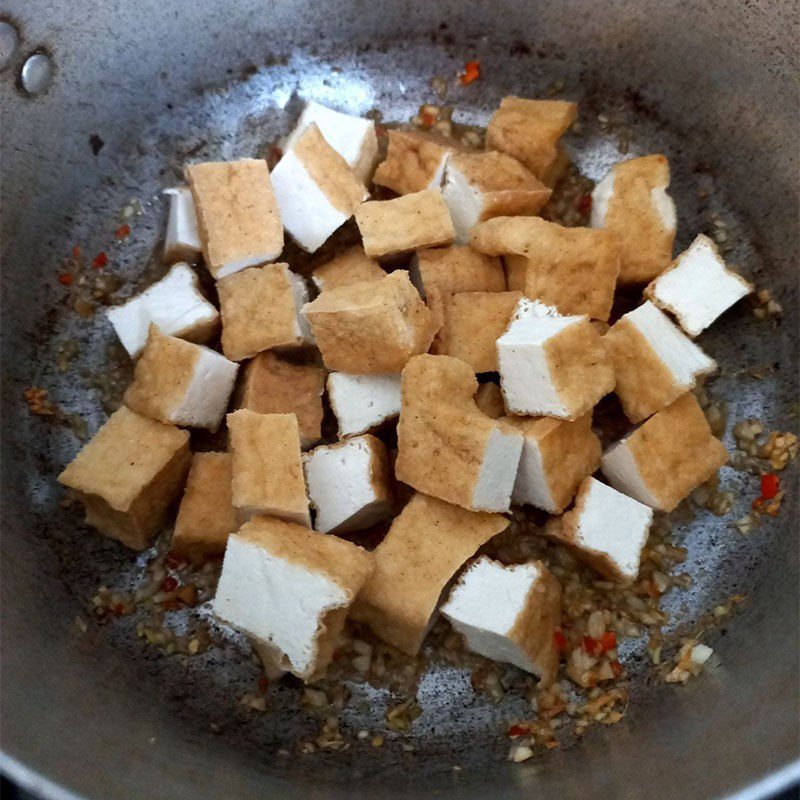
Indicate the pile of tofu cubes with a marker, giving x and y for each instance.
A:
(472, 326)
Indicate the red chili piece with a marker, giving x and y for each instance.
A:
(263, 684)
(100, 260)
(472, 71)
(585, 203)
(65, 279)
(169, 584)
(122, 231)
(608, 640)
(560, 641)
(770, 486)
(76, 252)
(517, 730)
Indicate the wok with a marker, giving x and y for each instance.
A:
(140, 87)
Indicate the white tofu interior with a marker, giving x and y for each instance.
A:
(524, 372)
(531, 486)
(485, 604)
(664, 206)
(464, 201)
(699, 288)
(362, 402)
(174, 304)
(495, 483)
(615, 525)
(306, 211)
(340, 488)
(300, 296)
(352, 137)
(679, 354)
(207, 395)
(275, 600)
(619, 466)
(601, 196)
(182, 238)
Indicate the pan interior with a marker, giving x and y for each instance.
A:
(240, 118)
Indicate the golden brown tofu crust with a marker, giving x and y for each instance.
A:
(675, 451)
(644, 384)
(372, 326)
(162, 376)
(350, 266)
(506, 186)
(274, 386)
(580, 368)
(237, 214)
(411, 222)
(489, 400)
(534, 627)
(427, 543)
(573, 269)
(128, 475)
(472, 323)
(529, 130)
(459, 269)
(645, 244)
(206, 516)
(412, 160)
(267, 471)
(258, 311)
(329, 171)
(442, 434)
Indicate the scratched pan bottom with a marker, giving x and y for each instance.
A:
(240, 118)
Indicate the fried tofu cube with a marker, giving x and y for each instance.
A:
(316, 191)
(447, 270)
(605, 528)
(350, 266)
(427, 544)
(363, 402)
(261, 309)
(666, 457)
(556, 456)
(411, 222)
(237, 214)
(632, 202)
(479, 186)
(181, 383)
(572, 269)
(654, 362)
(447, 447)
(353, 138)
(174, 304)
(551, 365)
(509, 614)
(274, 386)
(472, 324)
(415, 161)
(182, 240)
(267, 469)
(529, 130)
(206, 516)
(348, 484)
(698, 287)
(290, 588)
(489, 399)
(128, 475)
(371, 327)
